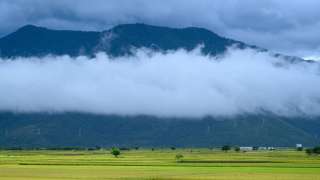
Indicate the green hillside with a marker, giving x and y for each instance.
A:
(87, 130)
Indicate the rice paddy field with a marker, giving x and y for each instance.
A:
(158, 164)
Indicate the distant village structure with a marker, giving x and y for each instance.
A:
(246, 148)
(250, 148)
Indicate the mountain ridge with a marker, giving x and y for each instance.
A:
(31, 40)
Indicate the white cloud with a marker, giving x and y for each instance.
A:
(179, 84)
(314, 58)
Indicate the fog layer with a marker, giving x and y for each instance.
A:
(174, 84)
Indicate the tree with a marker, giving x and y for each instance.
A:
(299, 148)
(115, 152)
(309, 151)
(315, 150)
(179, 157)
(237, 148)
(226, 148)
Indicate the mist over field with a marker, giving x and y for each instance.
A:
(171, 84)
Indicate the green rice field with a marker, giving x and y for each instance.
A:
(158, 164)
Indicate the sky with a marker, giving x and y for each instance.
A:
(175, 84)
(286, 26)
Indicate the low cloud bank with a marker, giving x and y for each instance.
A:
(174, 84)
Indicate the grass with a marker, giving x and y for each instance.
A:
(159, 164)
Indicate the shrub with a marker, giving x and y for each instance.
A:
(299, 148)
(315, 150)
(309, 151)
(179, 157)
(115, 152)
(226, 148)
(237, 148)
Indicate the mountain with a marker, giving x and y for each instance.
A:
(88, 130)
(38, 41)
(80, 129)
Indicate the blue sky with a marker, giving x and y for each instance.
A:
(286, 26)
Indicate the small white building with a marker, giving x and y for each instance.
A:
(263, 148)
(271, 148)
(246, 148)
(299, 146)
